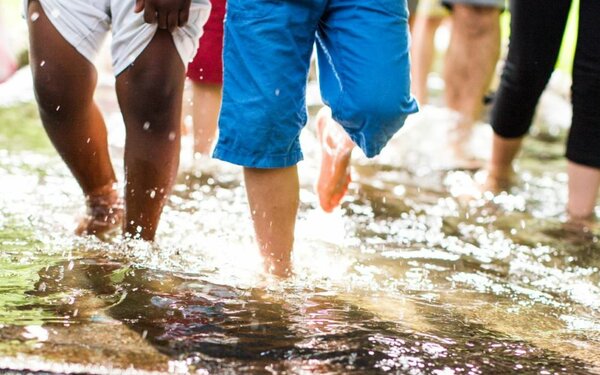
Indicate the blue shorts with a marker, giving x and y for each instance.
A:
(364, 75)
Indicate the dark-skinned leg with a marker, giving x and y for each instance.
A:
(150, 96)
(64, 84)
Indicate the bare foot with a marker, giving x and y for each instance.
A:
(497, 183)
(336, 149)
(104, 213)
(585, 223)
(459, 143)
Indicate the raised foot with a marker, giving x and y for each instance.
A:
(104, 214)
(336, 150)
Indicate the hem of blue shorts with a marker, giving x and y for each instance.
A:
(260, 162)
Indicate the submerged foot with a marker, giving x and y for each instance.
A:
(104, 213)
(336, 149)
(459, 143)
(498, 182)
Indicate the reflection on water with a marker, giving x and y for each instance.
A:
(415, 274)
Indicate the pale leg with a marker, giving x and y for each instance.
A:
(469, 66)
(273, 195)
(500, 169)
(584, 182)
(206, 108)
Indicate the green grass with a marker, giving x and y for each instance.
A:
(22, 130)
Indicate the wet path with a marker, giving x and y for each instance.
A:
(412, 275)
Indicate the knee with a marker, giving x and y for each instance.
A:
(61, 95)
(476, 21)
(526, 76)
(152, 99)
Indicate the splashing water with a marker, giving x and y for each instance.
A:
(408, 276)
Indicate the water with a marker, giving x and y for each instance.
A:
(416, 273)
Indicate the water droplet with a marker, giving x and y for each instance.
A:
(277, 92)
(57, 108)
(88, 140)
(147, 125)
(43, 63)
(152, 194)
(34, 16)
(172, 136)
(139, 229)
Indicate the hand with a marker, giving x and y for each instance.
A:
(169, 14)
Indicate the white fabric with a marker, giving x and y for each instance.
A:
(85, 24)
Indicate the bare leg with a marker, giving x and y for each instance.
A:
(64, 87)
(273, 195)
(336, 150)
(150, 96)
(584, 182)
(207, 105)
(500, 169)
(469, 66)
(423, 50)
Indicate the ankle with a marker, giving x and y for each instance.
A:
(105, 198)
(583, 215)
(501, 172)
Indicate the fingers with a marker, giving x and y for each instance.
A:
(172, 21)
(163, 16)
(139, 6)
(184, 16)
(162, 20)
(184, 13)
(150, 13)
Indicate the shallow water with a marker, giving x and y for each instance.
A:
(414, 274)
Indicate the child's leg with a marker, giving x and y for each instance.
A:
(150, 96)
(364, 77)
(469, 66)
(584, 137)
(267, 52)
(336, 151)
(527, 69)
(500, 169)
(64, 85)
(423, 50)
(207, 105)
(273, 195)
(206, 74)
(584, 183)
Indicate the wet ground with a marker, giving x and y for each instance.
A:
(416, 273)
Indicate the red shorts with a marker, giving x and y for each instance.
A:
(207, 65)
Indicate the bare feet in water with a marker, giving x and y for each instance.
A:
(336, 149)
(497, 182)
(104, 213)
